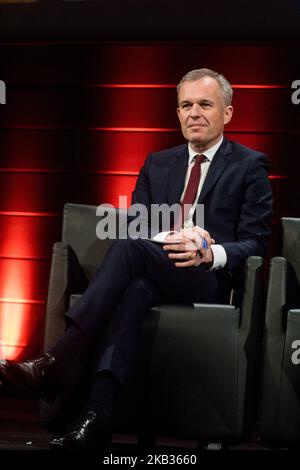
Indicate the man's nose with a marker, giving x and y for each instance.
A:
(195, 110)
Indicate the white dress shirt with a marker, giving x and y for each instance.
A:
(220, 257)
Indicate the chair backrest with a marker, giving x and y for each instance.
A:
(291, 243)
(291, 251)
(80, 232)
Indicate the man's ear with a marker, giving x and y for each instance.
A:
(228, 114)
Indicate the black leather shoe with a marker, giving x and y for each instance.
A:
(36, 377)
(88, 433)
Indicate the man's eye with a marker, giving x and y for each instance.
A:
(186, 106)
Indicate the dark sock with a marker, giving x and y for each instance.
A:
(68, 349)
(103, 393)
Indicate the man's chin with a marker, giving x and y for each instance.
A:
(197, 139)
(197, 134)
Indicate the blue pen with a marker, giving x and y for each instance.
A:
(204, 246)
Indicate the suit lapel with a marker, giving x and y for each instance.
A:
(219, 163)
(177, 175)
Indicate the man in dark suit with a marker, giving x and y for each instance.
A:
(192, 265)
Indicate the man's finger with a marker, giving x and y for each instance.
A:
(189, 245)
(174, 247)
(187, 255)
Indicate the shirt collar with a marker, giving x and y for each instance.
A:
(210, 153)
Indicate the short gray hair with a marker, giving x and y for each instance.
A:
(222, 82)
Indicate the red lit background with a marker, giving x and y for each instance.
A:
(79, 121)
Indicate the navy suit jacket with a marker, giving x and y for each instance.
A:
(236, 195)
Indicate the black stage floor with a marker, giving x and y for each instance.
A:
(24, 444)
(20, 429)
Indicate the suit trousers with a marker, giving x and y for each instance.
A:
(134, 276)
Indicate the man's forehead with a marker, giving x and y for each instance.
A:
(205, 88)
(201, 85)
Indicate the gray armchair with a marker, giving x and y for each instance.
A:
(197, 365)
(280, 394)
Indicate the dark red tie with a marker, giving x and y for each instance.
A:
(191, 190)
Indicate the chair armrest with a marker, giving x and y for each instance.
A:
(277, 295)
(274, 345)
(253, 293)
(292, 346)
(250, 342)
(66, 277)
(282, 293)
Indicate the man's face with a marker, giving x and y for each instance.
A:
(202, 112)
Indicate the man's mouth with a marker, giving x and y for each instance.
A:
(196, 125)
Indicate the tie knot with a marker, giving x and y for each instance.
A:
(200, 159)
